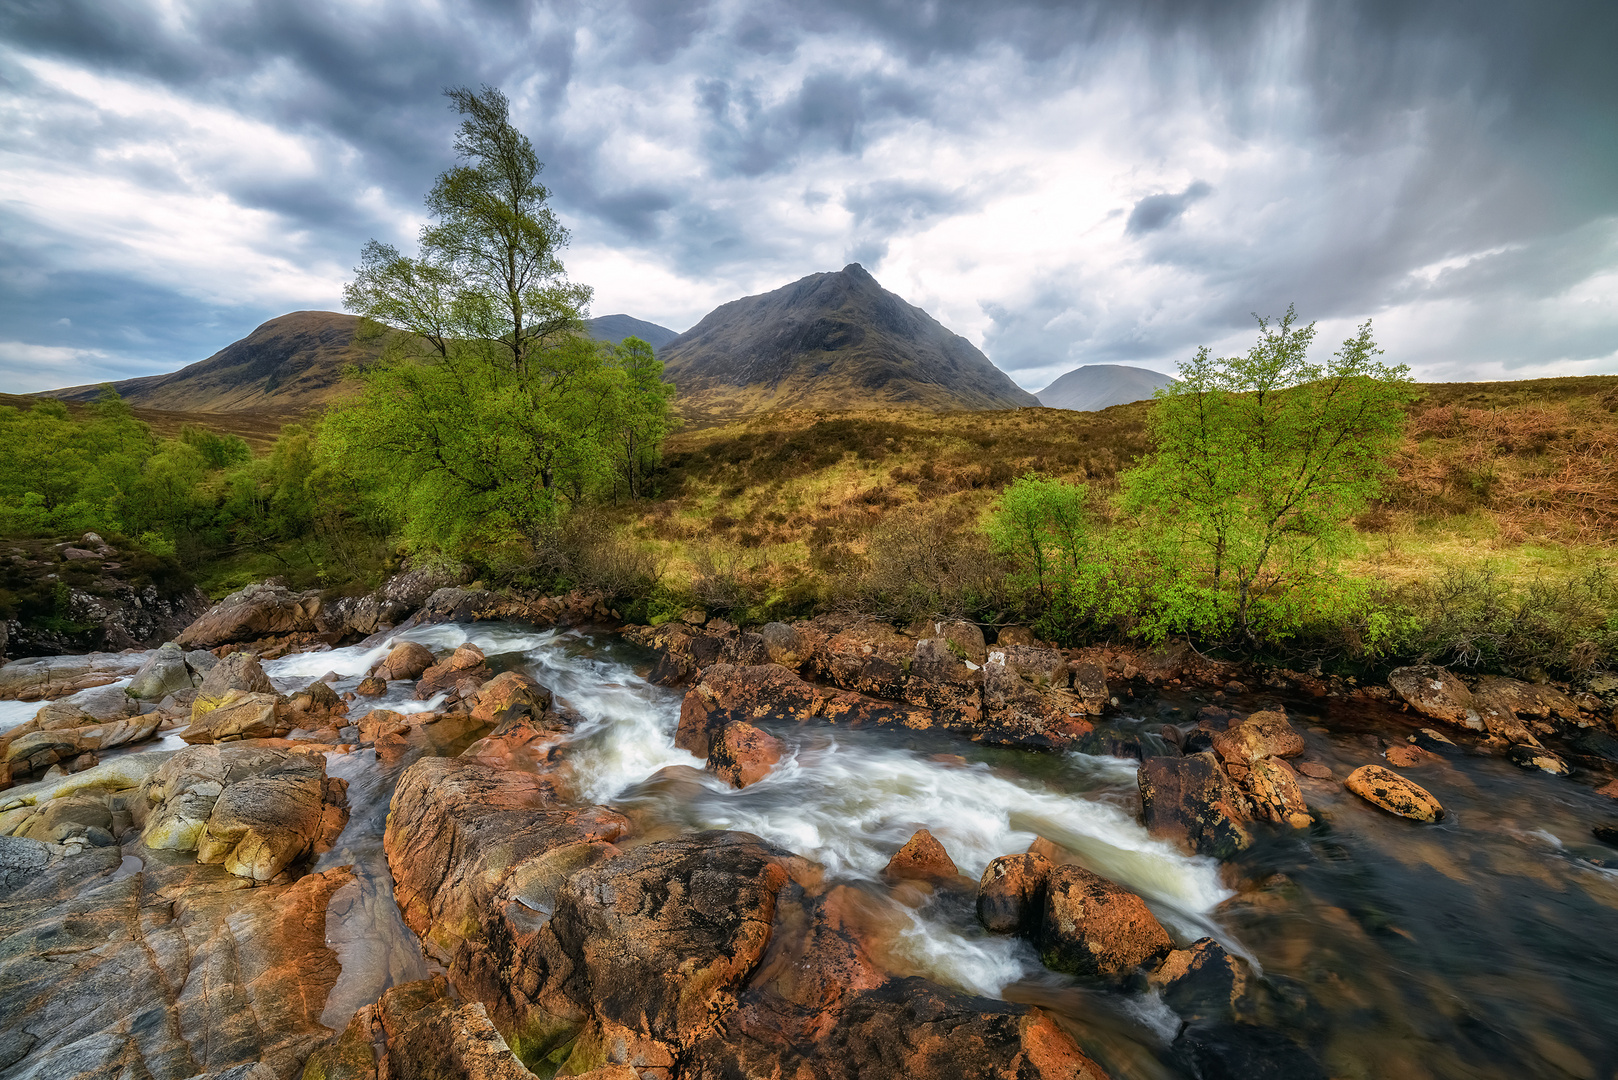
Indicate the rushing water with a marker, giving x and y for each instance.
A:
(1481, 947)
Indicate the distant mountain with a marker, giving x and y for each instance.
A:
(289, 364)
(614, 328)
(830, 341)
(1099, 386)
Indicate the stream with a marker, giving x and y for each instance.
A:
(1484, 946)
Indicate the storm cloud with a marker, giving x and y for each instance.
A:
(1063, 184)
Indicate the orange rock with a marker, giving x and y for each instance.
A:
(742, 754)
(509, 695)
(1609, 789)
(1406, 756)
(921, 859)
(1011, 893)
(1092, 927)
(1315, 770)
(407, 660)
(371, 686)
(1393, 793)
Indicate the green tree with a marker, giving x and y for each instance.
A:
(1042, 525)
(641, 419)
(1258, 464)
(490, 408)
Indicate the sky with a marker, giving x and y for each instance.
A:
(1061, 183)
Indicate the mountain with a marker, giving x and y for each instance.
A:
(1098, 386)
(614, 328)
(830, 341)
(289, 364)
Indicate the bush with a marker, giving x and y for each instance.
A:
(927, 562)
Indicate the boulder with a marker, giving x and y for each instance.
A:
(1011, 893)
(240, 715)
(922, 858)
(1015, 635)
(508, 696)
(426, 1035)
(406, 660)
(1263, 734)
(165, 673)
(1203, 983)
(466, 662)
(741, 754)
(1192, 801)
(41, 678)
(258, 611)
(255, 810)
(371, 686)
(964, 638)
(1435, 693)
(783, 645)
(238, 671)
(1272, 787)
(1536, 757)
(1393, 793)
(1089, 926)
(317, 699)
(36, 751)
(1536, 702)
(941, 677)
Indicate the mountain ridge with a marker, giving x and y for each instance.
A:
(1093, 387)
(828, 341)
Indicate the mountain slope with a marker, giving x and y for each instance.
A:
(289, 364)
(830, 341)
(1099, 386)
(614, 328)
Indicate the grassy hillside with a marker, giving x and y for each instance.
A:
(258, 429)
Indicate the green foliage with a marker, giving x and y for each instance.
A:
(491, 412)
(1042, 526)
(1258, 464)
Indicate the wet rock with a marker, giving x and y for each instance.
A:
(47, 677)
(371, 686)
(466, 662)
(1435, 693)
(1272, 788)
(1393, 793)
(238, 671)
(1246, 1052)
(1203, 983)
(1263, 734)
(1538, 702)
(741, 754)
(1609, 789)
(1192, 801)
(1407, 756)
(1089, 926)
(1315, 770)
(425, 1035)
(508, 696)
(169, 670)
(1606, 832)
(258, 611)
(173, 971)
(407, 660)
(1011, 893)
(36, 751)
(922, 858)
(239, 715)
(255, 810)
(1536, 757)
(316, 700)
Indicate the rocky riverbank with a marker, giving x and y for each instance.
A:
(170, 912)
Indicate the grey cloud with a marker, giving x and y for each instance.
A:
(1159, 211)
(892, 205)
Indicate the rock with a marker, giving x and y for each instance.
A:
(252, 809)
(173, 970)
(1089, 926)
(1536, 757)
(426, 1036)
(319, 699)
(922, 858)
(1273, 789)
(1025, 690)
(22, 860)
(942, 678)
(1435, 693)
(1535, 701)
(1191, 800)
(1264, 734)
(1393, 793)
(1015, 635)
(1202, 983)
(508, 696)
(1315, 770)
(36, 751)
(240, 715)
(47, 677)
(783, 645)
(371, 686)
(166, 672)
(406, 660)
(1245, 1052)
(1406, 756)
(1609, 789)
(1011, 893)
(238, 671)
(257, 611)
(466, 662)
(741, 754)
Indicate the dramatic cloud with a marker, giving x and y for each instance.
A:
(1064, 184)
